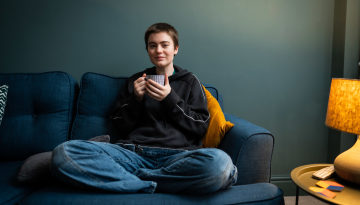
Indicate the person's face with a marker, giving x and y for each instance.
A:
(161, 50)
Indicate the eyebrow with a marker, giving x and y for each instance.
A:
(152, 42)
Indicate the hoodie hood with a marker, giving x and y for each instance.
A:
(179, 72)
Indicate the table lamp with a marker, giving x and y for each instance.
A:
(343, 113)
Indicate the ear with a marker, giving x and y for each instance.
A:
(176, 50)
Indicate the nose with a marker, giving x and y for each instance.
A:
(158, 49)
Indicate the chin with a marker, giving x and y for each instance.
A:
(161, 65)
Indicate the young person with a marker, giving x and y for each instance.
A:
(162, 127)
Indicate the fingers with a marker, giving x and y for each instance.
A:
(157, 91)
(154, 84)
(139, 84)
(166, 80)
(153, 88)
(139, 87)
(153, 94)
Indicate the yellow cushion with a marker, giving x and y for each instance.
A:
(218, 126)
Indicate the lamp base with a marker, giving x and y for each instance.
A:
(347, 164)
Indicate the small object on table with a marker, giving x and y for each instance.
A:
(323, 192)
(333, 186)
(324, 173)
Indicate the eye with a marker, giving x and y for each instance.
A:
(152, 46)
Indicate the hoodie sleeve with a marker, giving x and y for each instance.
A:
(127, 110)
(191, 115)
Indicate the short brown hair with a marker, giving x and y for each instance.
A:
(162, 27)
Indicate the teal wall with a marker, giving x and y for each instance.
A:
(271, 59)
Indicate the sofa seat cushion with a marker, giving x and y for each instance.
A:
(11, 191)
(262, 193)
(38, 113)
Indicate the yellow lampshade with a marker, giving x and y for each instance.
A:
(343, 113)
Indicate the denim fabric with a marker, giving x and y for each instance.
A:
(131, 168)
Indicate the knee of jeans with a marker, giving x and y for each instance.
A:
(218, 171)
(57, 158)
(63, 152)
(217, 162)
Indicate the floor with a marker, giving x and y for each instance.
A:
(303, 200)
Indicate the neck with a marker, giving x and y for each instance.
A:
(168, 70)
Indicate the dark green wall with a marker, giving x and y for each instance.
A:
(271, 59)
(351, 56)
(346, 53)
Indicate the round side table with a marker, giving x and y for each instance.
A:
(302, 177)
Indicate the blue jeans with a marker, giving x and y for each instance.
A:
(129, 168)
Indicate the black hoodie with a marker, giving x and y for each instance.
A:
(179, 121)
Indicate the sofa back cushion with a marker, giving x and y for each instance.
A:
(38, 113)
(97, 98)
(215, 93)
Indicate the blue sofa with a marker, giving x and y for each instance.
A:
(45, 109)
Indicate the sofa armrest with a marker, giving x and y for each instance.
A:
(250, 147)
